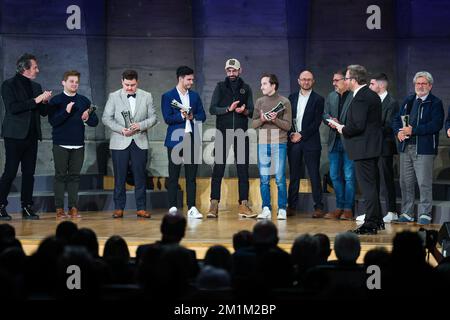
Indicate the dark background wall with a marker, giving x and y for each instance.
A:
(283, 37)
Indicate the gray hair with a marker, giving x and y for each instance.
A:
(425, 75)
(347, 247)
(359, 73)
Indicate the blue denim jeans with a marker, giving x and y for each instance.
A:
(272, 160)
(342, 174)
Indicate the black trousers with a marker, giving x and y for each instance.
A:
(387, 184)
(368, 177)
(23, 152)
(296, 154)
(241, 158)
(68, 164)
(177, 157)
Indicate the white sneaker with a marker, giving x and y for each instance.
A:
(265, 214)
(361, 218)
(173, 210)
(391, 216)
(194, 213)
(281, 214)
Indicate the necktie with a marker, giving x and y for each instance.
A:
(131, 95)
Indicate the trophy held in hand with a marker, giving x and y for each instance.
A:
(127, 118)
(277, 109)
(405, 122)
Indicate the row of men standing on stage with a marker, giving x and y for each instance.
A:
(292, 132)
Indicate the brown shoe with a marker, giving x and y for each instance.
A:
(318, 213)
(213, 211)
(347, 215)
(143, 214)
(118, 213)
(336, 214)
(60, 214)
(73, 213)
(245, 211)
(291, 212)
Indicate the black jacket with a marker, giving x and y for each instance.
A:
(20, 109)
(363, 136)
(223, 97)
(389, 110)
(312, 118)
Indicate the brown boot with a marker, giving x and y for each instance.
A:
(73, 213)
(245, 211)
(143, 214)
(213, 211)
(347, 215)
(60, 214)
(336, 214)
(118, 213)
(318, 213)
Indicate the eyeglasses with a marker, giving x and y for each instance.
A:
(422, 83)
(337, 80)
(349, 78)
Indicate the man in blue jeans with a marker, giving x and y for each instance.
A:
(273, 135)
(342, 171)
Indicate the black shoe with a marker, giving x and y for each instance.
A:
(28, 213)
(3, 214)
(381, 226)
(363, 230)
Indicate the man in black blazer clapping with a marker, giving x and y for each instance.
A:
(363, 138)
(21, 129)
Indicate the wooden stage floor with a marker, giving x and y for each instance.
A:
(200, 234)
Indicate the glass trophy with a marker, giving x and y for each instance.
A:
(127, 118)
(277, 109)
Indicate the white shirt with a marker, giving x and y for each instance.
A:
(383, 96)
(423, 98)
(132, 101)
(356, 91)
(301, 106)
(186, 102)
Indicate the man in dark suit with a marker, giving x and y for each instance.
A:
(304, 142)
(363, 137)
(379, 84)
(24, 104)
(447, 123)
(183, 140)
(342, 169)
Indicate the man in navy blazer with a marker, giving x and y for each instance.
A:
(447, 123)
(183, 140)
(304, 142)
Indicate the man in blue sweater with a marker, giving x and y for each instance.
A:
(69, 112)
(419, 141)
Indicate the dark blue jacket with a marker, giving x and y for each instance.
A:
(173, 118)
(430, 119)
(447, 122)
(68, 128)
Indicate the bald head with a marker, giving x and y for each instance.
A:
(306, 80)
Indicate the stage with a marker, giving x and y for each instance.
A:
(200, 234)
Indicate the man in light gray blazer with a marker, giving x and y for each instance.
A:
(129, 113)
